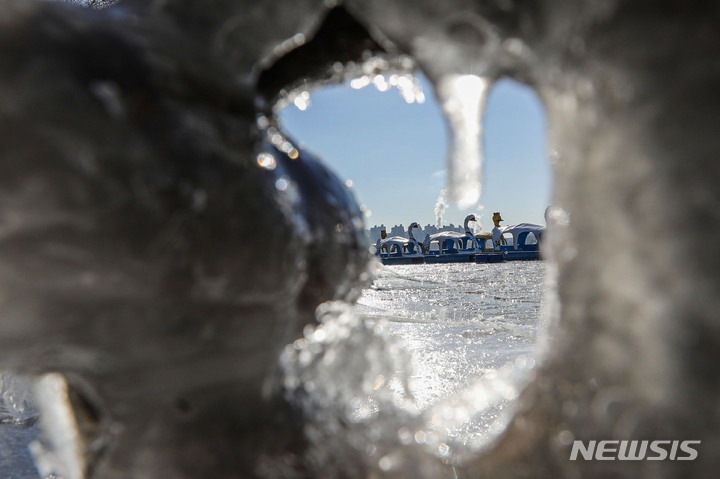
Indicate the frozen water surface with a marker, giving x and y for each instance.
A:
(431, 356)
(471, 331)
(458, 320)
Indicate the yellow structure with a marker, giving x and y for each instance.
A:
(497, 219)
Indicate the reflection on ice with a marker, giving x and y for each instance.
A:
(474, 417)
(349, 380)
(432, 356)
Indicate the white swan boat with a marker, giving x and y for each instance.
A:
(399, 250)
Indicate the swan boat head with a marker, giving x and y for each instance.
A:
(468, 219)
(496, 218)
(410, 233)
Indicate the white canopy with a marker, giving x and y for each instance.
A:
(442, 236)
(400, 242)
(518, 229)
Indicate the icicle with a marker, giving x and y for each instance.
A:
(59, 452)
(463, 101)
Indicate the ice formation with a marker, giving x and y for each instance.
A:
(133, 206)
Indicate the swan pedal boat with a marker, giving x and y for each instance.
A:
(526, 241)
(399, 250)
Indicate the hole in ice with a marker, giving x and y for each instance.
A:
(392, 152)
(470, 329)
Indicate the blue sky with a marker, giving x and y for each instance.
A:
(395, 152)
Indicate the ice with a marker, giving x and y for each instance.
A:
(60, 450)
(18, 427)
(463, 100)
(435, 353)
(16, 404)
